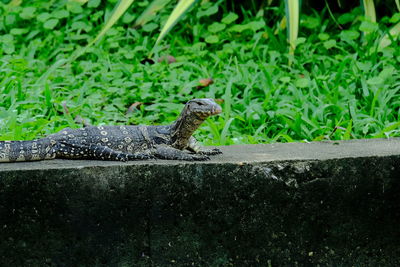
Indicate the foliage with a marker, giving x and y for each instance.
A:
(335, 88)
(291, 18)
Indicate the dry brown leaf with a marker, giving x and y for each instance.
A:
(206, 82)
(169, 59)
(133, 107)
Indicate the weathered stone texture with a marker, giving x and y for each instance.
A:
(282, 204)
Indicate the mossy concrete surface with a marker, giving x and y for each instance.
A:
(298, 204)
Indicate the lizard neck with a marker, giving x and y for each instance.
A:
(182, 129)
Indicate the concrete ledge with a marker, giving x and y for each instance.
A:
(328, 203)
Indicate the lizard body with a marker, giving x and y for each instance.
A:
(123, 143)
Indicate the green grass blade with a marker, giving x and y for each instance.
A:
(50, 70)
(228, 101)
(225, 131)
(389, 128)
(281, 26)
(181, 8)
(369, 9)
(292, 15)
(283, 136)
(398, 5)
(387, 39)
(347, 134)
(48, 96)
(152, 9)
(331, 14)
(118, 11)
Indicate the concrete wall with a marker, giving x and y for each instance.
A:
(333, 204)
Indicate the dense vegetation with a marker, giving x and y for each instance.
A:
(339, 85)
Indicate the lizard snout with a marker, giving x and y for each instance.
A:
(216, 110)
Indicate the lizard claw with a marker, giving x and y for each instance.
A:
(200, 157)
(214, 151)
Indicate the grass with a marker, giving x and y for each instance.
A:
(338, 87)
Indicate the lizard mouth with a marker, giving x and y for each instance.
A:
(216, 110)
(213, 111)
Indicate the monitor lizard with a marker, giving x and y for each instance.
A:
(121, 143)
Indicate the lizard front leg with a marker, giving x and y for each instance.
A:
(167, 152)
(194, 146)
(96, 152)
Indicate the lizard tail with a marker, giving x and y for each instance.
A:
(11, 151)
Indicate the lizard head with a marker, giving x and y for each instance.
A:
(194, 113)
(203, 107)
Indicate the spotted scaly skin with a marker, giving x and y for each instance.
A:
(121, 143)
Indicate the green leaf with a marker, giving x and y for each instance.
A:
(80, 25)
(7, 38)
(368, 27)
(128, 18)
(112, 32)
(42, 17)
(302, 83)
(375, 81)
(74, 7)
(7, 42)
(150, 27)
(285, 79)
(212, 39)
(10, 19)
(395, 18)
(8, 48)
(323, 36)
(329, 44)
(18, 31)
(93, 3)
(311, 22)
(238, 28)
(208, 12)
(300, 40)
(349, 35)
(231, 17)
(256, 25)
(216, 27)
(28, 12)
(386, 40)
(60, 14)
(387, 73)
(365, 67)
(346, 18)
(50, 24)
